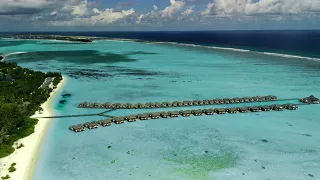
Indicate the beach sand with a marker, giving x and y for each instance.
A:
(26, 157)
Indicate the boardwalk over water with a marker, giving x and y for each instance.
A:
(242, 107)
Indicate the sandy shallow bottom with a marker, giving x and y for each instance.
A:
(25, 157)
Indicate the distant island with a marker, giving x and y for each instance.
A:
(50, 37)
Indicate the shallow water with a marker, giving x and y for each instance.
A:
(209, 147)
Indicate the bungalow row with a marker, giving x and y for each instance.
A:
(177, 103)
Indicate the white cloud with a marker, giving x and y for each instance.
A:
(175, 6)
(80, 9)
(53, 13)
(248, 7)
(187, 12)
(155, 7)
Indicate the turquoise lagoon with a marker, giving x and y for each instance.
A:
(208, 147)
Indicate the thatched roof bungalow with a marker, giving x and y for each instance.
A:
(243, 109)
(175, 103)
(197, 112)
(116, 105)
(311, 100)
(241, 100)
(220, 111)
(236, 100)
(92, 125)
(143, 116)
(155, 115)
(254, 108)
(277, 107)
(131, 118)
(174, 113)
(140, 105)
(185, 113)
(246, 99)
(208, 111)
(226, 101)
(105, 123)
(78, 128)
(164, 114)
(232, 110)
(157, 105)
(106, 105)
(265, 108)
(291, 106)
(119, 120)
(166, 104)
(206, 102)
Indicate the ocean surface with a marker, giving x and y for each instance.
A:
(214, 147)
(304, 43)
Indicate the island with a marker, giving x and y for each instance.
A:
(50, 37)
(23, 93)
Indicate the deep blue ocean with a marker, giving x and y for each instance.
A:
(293, 42)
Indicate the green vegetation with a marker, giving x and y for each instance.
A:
(5, 177)
(20, 98)
(12, 168)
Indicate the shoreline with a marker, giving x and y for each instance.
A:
(27, 156)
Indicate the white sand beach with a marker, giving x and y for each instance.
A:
(26, 157)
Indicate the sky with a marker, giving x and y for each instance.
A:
(153, 15)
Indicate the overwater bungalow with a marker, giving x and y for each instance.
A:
(226, 101)
(216, 101)
(143, 116)
(84, 124)
(155, 115)
(270, 98)
(119, 120)
(231, 100)
(147, 105)
(78, 128)
(265, 108)
(262, 98)
(211, 101)
(246, 99)
(116, 105)
(236, 100)
(174, 113)
(105, 123)
(232, 110)
(251, 99)
(241, 100)
(164, 114)
(140, 105)
(206, 102)
(208, 111)
(291, 106)
(310, 100)
(197, 112)
(106, 105)
(131, 118)
(195, 102)
(166, 104)
(243, 109)
(157, 105)
(185, 113)
(254, 108)
(71, 128)
(277, 107)
(92, 125)
(175, 103)
(220, 111)
(256, 98)
(127, 106)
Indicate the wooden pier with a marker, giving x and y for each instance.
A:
(167, 104)
(185, 113)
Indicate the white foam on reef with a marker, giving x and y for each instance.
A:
(222, 48)
(291, 56)
(10, 54)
